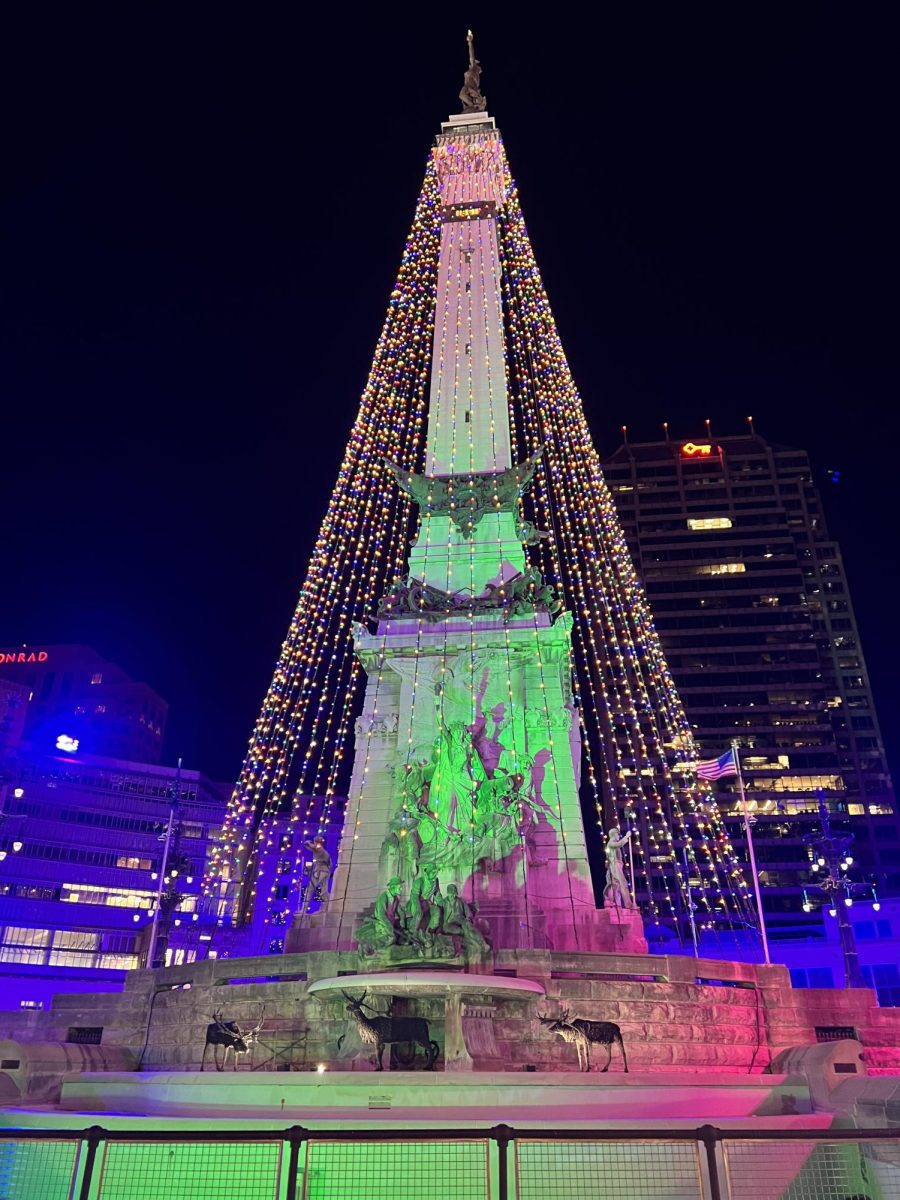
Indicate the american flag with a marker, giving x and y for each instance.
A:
(717, 768)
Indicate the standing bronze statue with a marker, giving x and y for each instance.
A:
(470, 93)
(616, 892)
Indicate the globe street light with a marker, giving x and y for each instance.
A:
(830, 859)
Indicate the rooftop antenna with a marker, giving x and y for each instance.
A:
(708, 424)
(752, 430)
(625, 434)
(665, 426)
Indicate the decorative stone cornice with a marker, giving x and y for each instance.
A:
(468, 498)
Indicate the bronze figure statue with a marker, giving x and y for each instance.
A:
(321, 867)
(230, 1035)
(585, 1034)
(616, 893)
(470, 93)
(380, 931)
(379, 1031)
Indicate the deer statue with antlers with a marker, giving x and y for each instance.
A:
(586, 1034)
(230, 1035)
(379, 1031)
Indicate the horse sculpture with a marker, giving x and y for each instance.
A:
(585, 1034)
(379, 1031)
(230, 1035)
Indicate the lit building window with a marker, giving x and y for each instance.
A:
(81, 893)
(709, 522)
(17, 935)
(31, 1004)
(75, 939)
(101, 708)
(22, 945)
(74, 948)
(803, 783)
(732, 568)
(97, 677)
(137, 864)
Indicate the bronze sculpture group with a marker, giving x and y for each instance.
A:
(426, 922)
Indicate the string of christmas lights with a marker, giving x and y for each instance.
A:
(299, 748)
(636, 730)
(638, 743)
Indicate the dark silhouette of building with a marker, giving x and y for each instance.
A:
(77, 695)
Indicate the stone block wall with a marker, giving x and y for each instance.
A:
(666, 1024)
(674, 1013)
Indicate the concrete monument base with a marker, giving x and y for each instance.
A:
(417, 1098)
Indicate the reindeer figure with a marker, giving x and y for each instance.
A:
(379, 1031)
(230, 1035)
(585, 1034)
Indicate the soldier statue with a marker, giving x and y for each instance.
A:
(320, 872)
(616, 893)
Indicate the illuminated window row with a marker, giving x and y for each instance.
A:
(709, 522)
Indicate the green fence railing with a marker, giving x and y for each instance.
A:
(501, 1163)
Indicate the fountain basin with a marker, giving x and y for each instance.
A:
(469, 1042)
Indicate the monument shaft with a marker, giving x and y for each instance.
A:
(468, 749)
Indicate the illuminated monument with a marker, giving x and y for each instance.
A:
(472, 617)
(472, 576)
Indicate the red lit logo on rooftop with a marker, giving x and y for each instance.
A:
(23, 656)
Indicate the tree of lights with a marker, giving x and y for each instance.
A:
(469, 379)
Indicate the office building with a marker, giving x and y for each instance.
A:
(78, 699)
(83, 830)
(751, 601)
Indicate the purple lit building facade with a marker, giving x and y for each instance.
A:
(81, 833)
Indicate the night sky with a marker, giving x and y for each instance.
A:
(201, 217)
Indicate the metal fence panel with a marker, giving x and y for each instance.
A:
(35, 1170)
(398, 1170)
(626, 1170)
(811, 1170)
(190, 1171)
(556, 1164)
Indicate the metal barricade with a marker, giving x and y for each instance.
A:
(501, 1163)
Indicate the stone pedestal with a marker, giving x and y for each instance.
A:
(621, 930)
(469, 1042)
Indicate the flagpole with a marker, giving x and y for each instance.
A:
(631, 861)
(748, 832)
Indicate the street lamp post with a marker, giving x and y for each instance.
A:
(167, 896)
(830, 854)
